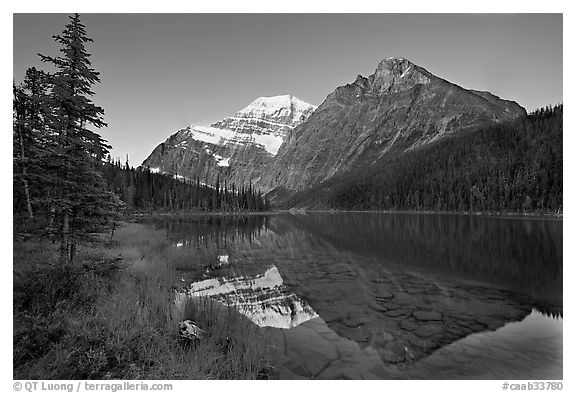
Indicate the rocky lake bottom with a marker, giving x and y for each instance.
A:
(386, 296)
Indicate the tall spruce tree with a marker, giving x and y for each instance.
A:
(79, 205)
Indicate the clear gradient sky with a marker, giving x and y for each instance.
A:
(163, 72)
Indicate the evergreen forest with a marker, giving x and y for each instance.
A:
(508, 167)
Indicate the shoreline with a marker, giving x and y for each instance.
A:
(428, 212)
(557, 216)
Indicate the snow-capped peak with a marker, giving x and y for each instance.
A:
(277, 106)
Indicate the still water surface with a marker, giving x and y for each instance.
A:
(379, 295)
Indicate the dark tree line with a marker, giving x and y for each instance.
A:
(144, 190)
(514, 166)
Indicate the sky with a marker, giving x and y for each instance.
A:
(163, 72)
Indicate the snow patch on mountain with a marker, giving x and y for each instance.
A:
(271, 143)
(240, 122)
(219, 136)
(405, 72)
(220, 161)
(224, 162)
(215, 136)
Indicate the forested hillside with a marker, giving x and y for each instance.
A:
(513, 166)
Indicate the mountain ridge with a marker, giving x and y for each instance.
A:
(280, 142)
(398, 107)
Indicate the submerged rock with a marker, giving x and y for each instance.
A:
(427, 316)
(223, 260)
(189, 330)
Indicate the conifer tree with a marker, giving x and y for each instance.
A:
(77, 196)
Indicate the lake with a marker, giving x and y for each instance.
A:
(353, 295)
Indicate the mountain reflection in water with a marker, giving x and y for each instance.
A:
(390, 290)
(262, 298)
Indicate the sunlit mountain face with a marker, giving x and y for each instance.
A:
(235, 149)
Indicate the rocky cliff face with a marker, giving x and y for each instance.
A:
(236, 148)
(399, 107)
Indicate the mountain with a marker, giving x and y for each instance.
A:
(236, 148)
(398, 108)
(284, 146)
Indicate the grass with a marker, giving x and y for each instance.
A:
(112, 315)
